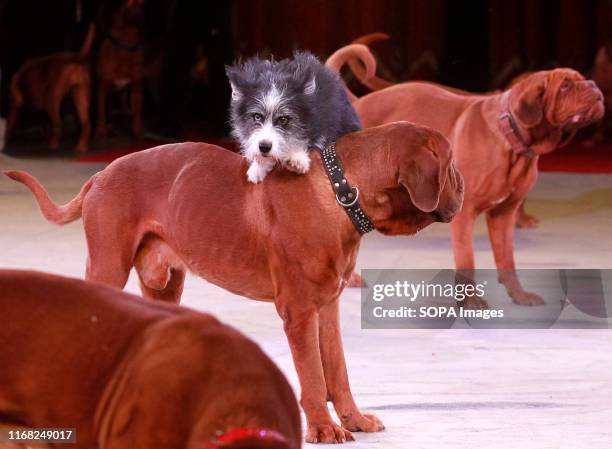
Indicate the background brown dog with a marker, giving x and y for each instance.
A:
(548, 107)
(128, 373)
(43, 83)
(189, 206)
(120, 64)
(602, 75)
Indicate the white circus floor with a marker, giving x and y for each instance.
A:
(437, 389)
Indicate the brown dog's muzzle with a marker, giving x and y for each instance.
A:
(593, 101)
(451, 198)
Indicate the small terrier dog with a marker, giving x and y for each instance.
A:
(280, 109)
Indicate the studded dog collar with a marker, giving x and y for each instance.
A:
(347, 196)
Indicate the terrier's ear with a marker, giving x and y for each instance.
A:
(236, 93)
(311, 86)
(230, 71)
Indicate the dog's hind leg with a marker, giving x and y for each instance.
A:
(111, 253)
(160, 272)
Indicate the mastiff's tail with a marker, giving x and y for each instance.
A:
(52, 212)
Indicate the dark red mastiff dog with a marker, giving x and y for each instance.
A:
(496, 139)
(131, 374)
(189, 207)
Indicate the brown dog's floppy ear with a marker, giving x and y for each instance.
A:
(422, 177)
(530, 103)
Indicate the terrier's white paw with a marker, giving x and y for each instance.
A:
(298, 162)
(257, 172)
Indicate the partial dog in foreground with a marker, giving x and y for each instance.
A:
(496, 139)
(281, 109)
(286, 240)
(134, 374)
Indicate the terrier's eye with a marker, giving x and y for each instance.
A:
(283, 120)
(257, 117)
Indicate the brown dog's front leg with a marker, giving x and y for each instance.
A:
(462, 228)
(301, 327)
(501, 221)
(336, 376)
(101, 125)
(136, 106)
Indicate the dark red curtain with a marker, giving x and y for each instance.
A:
(479, 44)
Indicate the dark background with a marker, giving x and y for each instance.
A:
(476, 45)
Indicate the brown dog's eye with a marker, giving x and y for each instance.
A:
(566, 84)
(283, 120)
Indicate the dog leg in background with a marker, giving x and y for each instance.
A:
(101, 126)
(56, 123)
(136, 106)
(336, 375)
(259, 169)
(500, 222)
(462, 228)
(80, 97)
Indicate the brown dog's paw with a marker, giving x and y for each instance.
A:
(526, 299)
(527, 221)
(356, 281)
(327, 433)
(363, 423)
(474, 303)
(80, 149)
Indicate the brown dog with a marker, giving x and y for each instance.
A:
(496, 140)
(120, 63)
(43, 83)
(129, 374)
(602, 75)
(189, 207)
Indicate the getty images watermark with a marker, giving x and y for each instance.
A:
(444, 299)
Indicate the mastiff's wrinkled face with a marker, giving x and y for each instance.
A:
(559, 100)
(428, 186)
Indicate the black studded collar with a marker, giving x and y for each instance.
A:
(347, 196)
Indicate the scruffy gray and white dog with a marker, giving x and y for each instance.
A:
(281, 109)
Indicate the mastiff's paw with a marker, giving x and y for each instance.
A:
(524, 298)
(355, 281)
(363, 423)
(526, 221)
(329, 433)
(474, 303)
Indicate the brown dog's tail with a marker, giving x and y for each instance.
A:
(370, 81)
(84, 51)
(346, 54)
(52, 212)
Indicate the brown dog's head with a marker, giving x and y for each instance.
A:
(552, 103)
(424, 185)
(129, 14)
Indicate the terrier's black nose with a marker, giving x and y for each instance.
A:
(265, 146)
